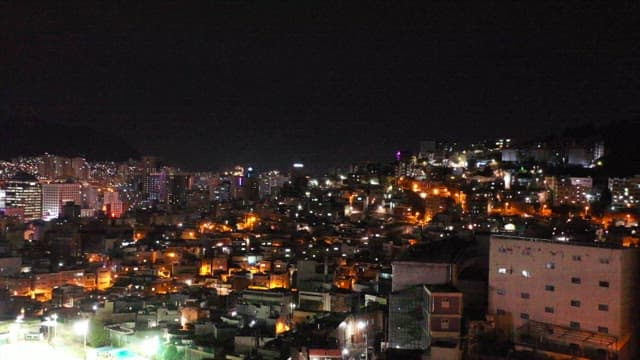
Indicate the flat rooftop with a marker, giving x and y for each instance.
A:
(596, 244)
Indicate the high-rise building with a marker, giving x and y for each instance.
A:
(625, 192)
(177, 186)
(3, 198)
(55, 196)
(80, 168)
(112, 203)
(24, 192)
(566, 297)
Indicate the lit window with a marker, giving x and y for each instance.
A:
(502, 270)
(526, 273)
(444, 323)
(501, 292)
(550, 265)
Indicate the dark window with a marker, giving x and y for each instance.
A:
(524, 316)
(603, 329)
(604, 284)
(525, 295)
(445, 304)
(575, 280)
(549, 287)
(575, 303)
(500, 291)
(500, 312)
(548, 309)
(577, 258)
(550, 265)
(603, 307)
(574, 325)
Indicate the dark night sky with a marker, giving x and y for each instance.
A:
(268, 83)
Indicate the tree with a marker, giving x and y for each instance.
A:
(171, 353)
(97, 335)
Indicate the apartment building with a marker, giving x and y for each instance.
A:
(564, 297)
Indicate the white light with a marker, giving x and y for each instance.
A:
(150, 346)
(81, 327)
(345, 351)
(526, 274)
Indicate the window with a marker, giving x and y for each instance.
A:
(603, 329)
(550, 265)
(502, 270)
(525, 295)
(574, 325)
(604, 284)
(444, 323)
(603, 307)
(548, 309)
(575, 280)
(549, 287)
(500, 312)
(576, 258)
(445, 304)
(524, 316)
(500, 291)
(604, 260)
(526, 273)
(575, 303)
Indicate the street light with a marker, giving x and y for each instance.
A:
(54, 317)
(363, 326)
(82, 328)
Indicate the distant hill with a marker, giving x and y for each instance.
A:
(27, 137)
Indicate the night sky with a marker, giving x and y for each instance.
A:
(271, 82)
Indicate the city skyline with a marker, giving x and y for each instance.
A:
(253, 83)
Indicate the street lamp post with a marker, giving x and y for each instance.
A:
(54, 317)
(82, 328)
(362, 326)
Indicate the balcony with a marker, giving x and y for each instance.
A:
(563, 340)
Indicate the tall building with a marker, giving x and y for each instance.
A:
(625, 192)
(113, 206)
(570, 190)
(408, 299)
(24, 192)
(567, 298)
(80, 168)
(55, 196)
(3, 198)
(177, 186)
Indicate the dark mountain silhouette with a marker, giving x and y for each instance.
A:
(30, 136)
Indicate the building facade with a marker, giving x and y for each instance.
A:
(572, 298)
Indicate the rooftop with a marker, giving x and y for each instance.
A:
(597, 244)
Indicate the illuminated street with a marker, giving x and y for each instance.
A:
(35, 350)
